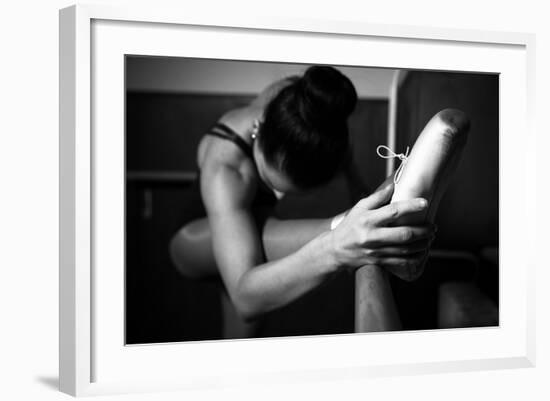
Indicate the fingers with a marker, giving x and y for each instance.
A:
(408, 272)
(377, 199)
(404, 250)
(388, 182)
(385, 236)
(393, 212)
(400, 265)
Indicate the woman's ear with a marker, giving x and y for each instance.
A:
(256, 124)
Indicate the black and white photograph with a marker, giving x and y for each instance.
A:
(271, 199)
(278, 200)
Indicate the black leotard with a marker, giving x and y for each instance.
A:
(223, 131)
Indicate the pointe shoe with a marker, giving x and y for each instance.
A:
(432, 162)
(430, 166)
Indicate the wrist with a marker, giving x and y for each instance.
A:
(329, 245)
(324, 250)
(336, 220)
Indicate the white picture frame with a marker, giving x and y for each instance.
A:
(93, 358)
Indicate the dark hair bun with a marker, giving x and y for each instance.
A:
(325, 95)
(305, 129)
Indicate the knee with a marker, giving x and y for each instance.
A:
(183, 249)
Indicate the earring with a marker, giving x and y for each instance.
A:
(255, 128)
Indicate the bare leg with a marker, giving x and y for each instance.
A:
(191, 247)
(433, 160)
(283, 237)
(375, 308)
(191, 251)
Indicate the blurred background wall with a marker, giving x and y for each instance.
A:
(187, 75)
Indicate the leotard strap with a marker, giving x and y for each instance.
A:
(223, 131)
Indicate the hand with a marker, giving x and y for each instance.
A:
(367, 236)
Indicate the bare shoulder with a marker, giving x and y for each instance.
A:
(215, 150)
(226, 187)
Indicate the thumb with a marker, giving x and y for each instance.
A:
(378, 199)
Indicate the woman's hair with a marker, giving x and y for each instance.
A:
(305, 131)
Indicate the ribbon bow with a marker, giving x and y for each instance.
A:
(391, 154)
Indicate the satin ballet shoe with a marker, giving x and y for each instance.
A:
(433, 160)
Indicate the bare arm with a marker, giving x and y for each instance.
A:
(256, 287)
(433, 159)
(276, 239)
(192, 252)
(283, 237)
